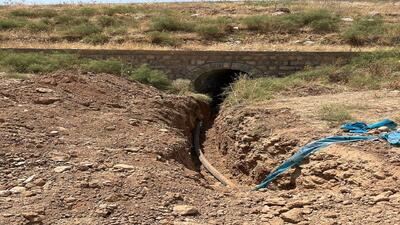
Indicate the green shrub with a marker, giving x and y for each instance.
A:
(36, 62)
(162, 38)
(171, 23)
(335, 113)
(68, 20)
(319, 20)
(308, 17)
(79, 32)
(121, 9)
(106, 21)
(38, 26)
(34, 13)
(155, 78)
(182, 86)
(258, 23)
(96, 39)
(363, 31)
(325, 25)
(7, 24)
(209, 31)
(291, 23)
(103, 66)
(87, 11)
(119, 30)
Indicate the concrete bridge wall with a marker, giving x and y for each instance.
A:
(191, 64)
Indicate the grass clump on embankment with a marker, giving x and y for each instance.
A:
(372, 30)
(368, 71)
(321, 21)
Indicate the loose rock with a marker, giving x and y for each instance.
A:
(185, 210)
(292, 216)
(60, 169)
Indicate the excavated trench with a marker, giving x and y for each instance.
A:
(214, 84)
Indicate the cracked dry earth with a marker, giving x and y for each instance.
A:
(98, 149)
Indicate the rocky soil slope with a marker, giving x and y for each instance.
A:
(360, 180)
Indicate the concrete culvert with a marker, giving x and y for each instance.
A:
(214, 82)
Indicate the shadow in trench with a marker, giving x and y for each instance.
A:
(214, 84)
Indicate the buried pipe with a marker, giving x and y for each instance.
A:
(205, 162)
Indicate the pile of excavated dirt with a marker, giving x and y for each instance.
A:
(99, 149)
(246, 143)
(91, 149)
(253, 140)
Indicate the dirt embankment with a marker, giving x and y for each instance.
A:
(248, 142)
(253, 140)
(76, 148)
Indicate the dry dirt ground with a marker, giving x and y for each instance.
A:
(98, 149)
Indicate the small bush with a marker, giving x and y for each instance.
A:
(171, 23)
(106, 21)
(68, 20)
(110, 11)
(258, 23)
(325, 25)
(38, 26)
(291, 23)
(182, 86)
(308, 17)
(162, 38)
(96, 39)
(22, 13)
(363, 31)
(103, 66)
(7, 24)
(155, 78)
(319, 20)
(32, 13)
(116, 30)
(335, 113)
(87, 11)
(209, 31)
(36, 62)
(81, 31)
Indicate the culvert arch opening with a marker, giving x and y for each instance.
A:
(215, 82)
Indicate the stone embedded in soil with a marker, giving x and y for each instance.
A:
(275, 202)
(39, 182)
(54, 133)
(32, 216)
(5, 193)
(44, 90)
(60, 169)
(123, 167)
(46, 100)
(293, 216)
(83, 166)
(300, 203)
(382, 197)
(185, 210)
(29, 179)
(17, 190)
(379, 175)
